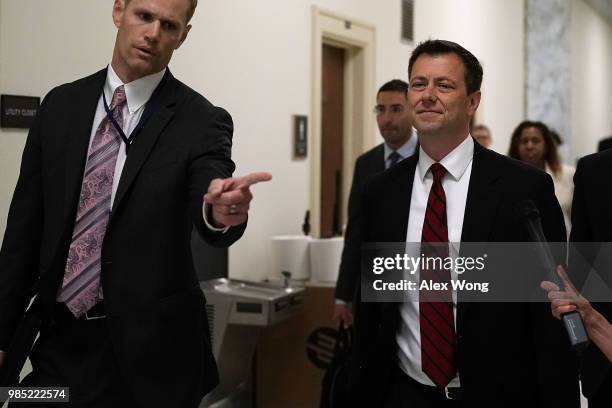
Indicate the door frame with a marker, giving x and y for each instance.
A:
(359, 41)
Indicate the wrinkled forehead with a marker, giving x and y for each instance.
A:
(173, 10)
(435, 66)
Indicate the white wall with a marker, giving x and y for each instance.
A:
(591, 79)
(253, 59)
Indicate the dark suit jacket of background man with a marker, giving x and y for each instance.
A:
(154, 305)
(592, 223)
(604, 144)
(367, 165)
(508, 355)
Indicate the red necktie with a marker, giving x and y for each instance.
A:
(438, 343)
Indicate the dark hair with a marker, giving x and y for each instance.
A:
(551, 155)
(555, 136)
(394, 85)
(473, 69)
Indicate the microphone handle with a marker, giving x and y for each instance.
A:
(534, 227)
(574, 326)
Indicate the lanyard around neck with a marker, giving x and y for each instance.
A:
(118, 128)
(151, 107)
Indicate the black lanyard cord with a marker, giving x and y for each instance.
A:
(109, 114)
(150, 109)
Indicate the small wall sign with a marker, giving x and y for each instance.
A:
(18, 111)
(300, 136)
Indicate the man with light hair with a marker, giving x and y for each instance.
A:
(117, 170)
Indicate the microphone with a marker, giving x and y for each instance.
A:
(572, 321)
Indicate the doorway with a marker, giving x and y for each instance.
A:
(332, 143)
(343, 127)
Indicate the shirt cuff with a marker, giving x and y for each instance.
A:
(206, 208)
(341, 302)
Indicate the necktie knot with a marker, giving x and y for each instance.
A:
(394, 157)
(438, 171)
(119, 97)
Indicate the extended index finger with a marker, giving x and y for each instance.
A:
(253, 178)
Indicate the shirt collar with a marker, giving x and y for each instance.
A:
(455, 163)
(137, 92)
(407, 149)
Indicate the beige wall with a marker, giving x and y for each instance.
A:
(253, 59)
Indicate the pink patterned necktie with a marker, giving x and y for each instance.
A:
(81, 284)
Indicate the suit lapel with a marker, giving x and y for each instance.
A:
(483, 200)
(378, 165)
(402, 179)
(163, 110)
(77, 141)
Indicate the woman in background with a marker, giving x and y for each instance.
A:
(532, 143)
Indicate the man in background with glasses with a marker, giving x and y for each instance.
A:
(395, 126)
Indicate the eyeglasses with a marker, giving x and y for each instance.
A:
(393, 109)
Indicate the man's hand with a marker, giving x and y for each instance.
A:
(343, 315)
(566, 300)
(2, 358)
(230, 198)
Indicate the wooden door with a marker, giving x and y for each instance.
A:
(332, 131)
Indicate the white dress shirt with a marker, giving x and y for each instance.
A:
(564, 190)
(455, 182)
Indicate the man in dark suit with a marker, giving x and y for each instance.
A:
(604, 144)
(117, 170)
(454, 353)
(395, 126)
(592, 226)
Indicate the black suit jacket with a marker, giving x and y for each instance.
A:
(508, 354)
(155, 307)
(604, 144)
(367, 165)
(591, 225)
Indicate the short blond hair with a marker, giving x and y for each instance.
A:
(190, 11)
